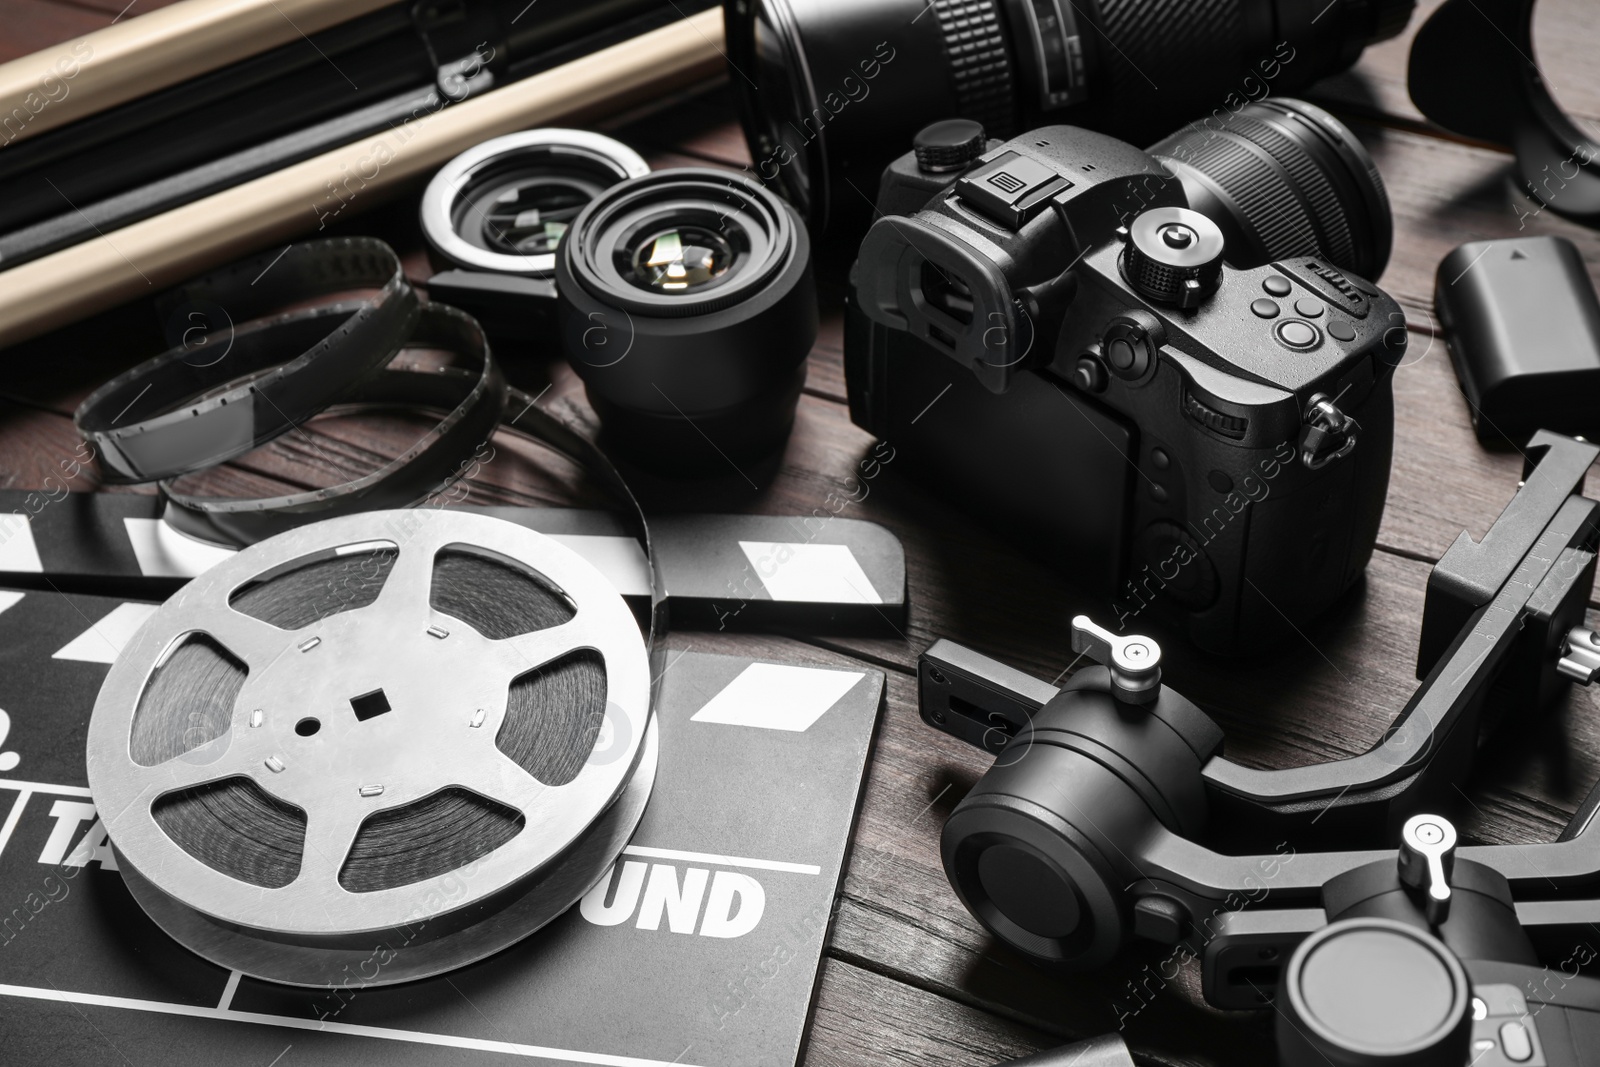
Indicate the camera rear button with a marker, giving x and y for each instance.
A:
(1090, 374)
(1340, 330)
(1276, 285)
(1309, 307)
(1515, 1042)
(1298, 335)
(1265, 309)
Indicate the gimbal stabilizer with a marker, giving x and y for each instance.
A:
(1092, 825)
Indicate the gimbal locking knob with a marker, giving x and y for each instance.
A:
(1135, 661)
(1427, 857)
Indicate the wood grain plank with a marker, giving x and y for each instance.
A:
(862, 1017)
(34, 25)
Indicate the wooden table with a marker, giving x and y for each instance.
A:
(909, 977)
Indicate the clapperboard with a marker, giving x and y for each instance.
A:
(701, 946)
(730, 572)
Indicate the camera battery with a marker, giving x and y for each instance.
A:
(1523, 326)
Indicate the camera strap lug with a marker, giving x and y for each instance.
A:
(1328, 433)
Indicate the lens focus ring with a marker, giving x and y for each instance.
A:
(980, 66)
(1237, 166)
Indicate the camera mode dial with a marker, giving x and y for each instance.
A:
(948, 146)
(1173, 255)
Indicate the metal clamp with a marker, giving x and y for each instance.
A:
(1427, 856)
(1135, 661)
(1580, 655)
(1328, 433)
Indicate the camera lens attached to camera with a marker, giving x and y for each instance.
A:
(688, 309)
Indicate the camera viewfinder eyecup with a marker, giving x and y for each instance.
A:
(688, 307)
(946, 293)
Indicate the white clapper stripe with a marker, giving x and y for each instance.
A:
(797, 571)
(103, 641)
(19, 554)
(45, 787)
(720, 861)
(163, 552)
(10, 826)
(383, 1033)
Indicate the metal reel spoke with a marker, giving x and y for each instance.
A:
(500, 779)
(406, 590)
(254, 643)
(527, 652)
(330, 832)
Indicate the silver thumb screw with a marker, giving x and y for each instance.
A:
(1427, 857)
(1135, 661)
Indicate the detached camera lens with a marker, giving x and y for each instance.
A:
(688, 309)
(494, 215)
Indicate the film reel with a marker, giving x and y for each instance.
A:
(375, 748)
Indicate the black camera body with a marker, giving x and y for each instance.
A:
(1050, 335)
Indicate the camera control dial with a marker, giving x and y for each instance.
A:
(1173, 255)
(948, 146)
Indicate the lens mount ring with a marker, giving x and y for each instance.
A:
(558, 152)
(760, 231)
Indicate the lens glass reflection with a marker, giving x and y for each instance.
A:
(529, 219)
(679, 259)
